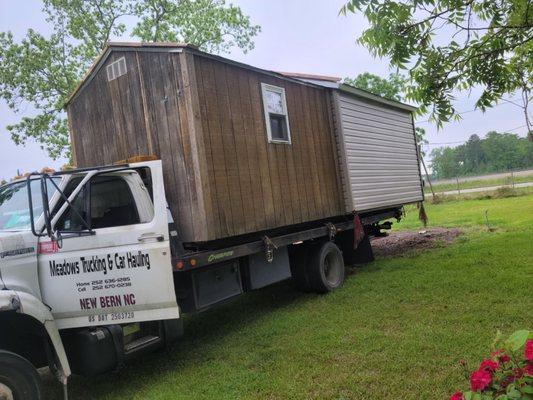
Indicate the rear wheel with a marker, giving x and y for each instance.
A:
(19, 379)
(326, 271)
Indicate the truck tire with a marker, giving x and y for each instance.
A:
(19, 379)
(326, 270)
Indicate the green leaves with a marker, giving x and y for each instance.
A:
(517, 340)
(392, 88)
(450, 46)
(495, 152)
(38, 73)
(208, 24)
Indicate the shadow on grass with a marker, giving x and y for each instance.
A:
(202, 332)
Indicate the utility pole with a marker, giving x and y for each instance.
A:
(427, 174)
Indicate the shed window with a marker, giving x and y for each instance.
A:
(276, 116)
(116, 69)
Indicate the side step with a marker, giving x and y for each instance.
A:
(142, 343)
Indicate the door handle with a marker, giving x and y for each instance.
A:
(159, 237)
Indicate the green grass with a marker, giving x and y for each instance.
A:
(396, 330)
(478, 183)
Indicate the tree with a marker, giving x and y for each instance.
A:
(504, 151)
(392, 88)
(497, 152)
(471, 156)
(41, 72)
(444, 163)
(453, 45)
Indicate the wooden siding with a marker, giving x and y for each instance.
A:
(378, 148)
(256, 185)
(204, 118)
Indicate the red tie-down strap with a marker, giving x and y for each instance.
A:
(422, 216)
(358, 231)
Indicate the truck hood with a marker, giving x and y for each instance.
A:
(18, 260)
(15, 244)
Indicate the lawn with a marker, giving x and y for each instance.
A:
(396, 330)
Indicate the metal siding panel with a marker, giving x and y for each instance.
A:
(370, 106)
(380, 153)
(374, 117)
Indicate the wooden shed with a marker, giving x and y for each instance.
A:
(244, 149)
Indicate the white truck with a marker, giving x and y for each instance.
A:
(92, 272)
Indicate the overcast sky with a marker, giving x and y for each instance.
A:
(297, 36)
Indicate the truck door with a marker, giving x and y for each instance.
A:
(112, 264)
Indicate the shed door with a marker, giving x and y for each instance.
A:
(379, 150)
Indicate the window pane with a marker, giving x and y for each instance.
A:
(72, 221)
(274, 102)
(14, 204)
(112, 203)
(278, 127)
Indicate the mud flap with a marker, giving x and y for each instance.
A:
(361, 255)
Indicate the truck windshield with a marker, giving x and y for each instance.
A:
(14, 206)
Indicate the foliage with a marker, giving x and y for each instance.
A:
(41, 71)
(506, 375)
(496, 152)
(392, 88)
(453, 45)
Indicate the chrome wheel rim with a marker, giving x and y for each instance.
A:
(5, 392)
(333, 269)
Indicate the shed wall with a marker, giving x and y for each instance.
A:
(256, 185)
(143, 112)
(204, 118)
(378, 148)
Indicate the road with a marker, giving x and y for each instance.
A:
(483, 189)
(483, 177)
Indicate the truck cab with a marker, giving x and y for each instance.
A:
(80, 250)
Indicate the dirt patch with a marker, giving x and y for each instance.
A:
(399, 243)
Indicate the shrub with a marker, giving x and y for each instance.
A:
(506, 375)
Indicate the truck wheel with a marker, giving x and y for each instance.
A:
(19, 379)
(326, 269)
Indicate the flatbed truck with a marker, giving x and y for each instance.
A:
(93, 272)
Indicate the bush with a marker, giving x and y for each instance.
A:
(506, 375)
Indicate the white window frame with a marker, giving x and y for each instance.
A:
(264, 88)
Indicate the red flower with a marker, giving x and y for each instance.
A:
(479, 380)
(508, 379)
(457, 396)
(500, 356)
(518, 373)
(528, 350)
(504, 358)
(496, 353)
(529, 369)
(488, 365)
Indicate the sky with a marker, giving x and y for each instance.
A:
(297, 36)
